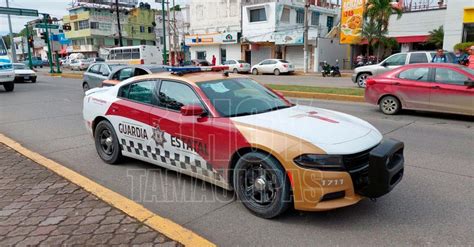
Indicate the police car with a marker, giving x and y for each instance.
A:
(235, 133)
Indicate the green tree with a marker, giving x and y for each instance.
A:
(436, 37)
(369, 32)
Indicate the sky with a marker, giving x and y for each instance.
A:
(57, 8)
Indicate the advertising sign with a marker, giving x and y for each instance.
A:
(211, 39)
(352, 21)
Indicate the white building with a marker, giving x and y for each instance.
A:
(274, 29)
(459, 23)
(214, 30)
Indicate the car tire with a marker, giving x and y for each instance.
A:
(85, 87)
(390, 105)
(261, 184)
(235, 71)
(33, 80)
(9, 86)
(107, 143)
(361, 79)
(41, 66)
(276, 72)
(254, 72)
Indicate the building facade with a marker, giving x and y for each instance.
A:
(459, 23)
(274, 29)
(94, 27)
(215, 30)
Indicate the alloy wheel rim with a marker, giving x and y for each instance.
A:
(389, 105)
(258, 185)
(362, 80)
(106, 142)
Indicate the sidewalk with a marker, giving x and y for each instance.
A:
(38, 207)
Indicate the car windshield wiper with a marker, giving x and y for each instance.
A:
(277, 108)
(243, 114)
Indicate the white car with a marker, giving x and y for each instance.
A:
(273, 66)
(80, 64)
(23, 73)
(238, 66)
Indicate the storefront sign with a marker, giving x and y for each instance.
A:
(211, 39)
(351, 21)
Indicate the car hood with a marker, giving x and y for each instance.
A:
(24, 71)
(333, 132)
(367, 68)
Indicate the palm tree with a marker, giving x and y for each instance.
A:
(379, 12)
(436, 37)
(369, 32)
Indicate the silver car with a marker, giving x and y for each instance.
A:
(360, 74)
(96, 73)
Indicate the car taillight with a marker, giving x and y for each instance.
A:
(142, 61)
(285, 65)
(241, 65)
(370, 81)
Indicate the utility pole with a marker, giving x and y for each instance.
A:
(46, 36)
(118, 23)
(12, 44)
(305, 36)
(169, 29)
(165, 57)
(30, 62)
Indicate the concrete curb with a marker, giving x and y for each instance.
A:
(325, 96)
(64, 75)
(301, 73)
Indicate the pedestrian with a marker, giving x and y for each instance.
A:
(460, 57)
(471, 57)
(213, 60)
(440, 57)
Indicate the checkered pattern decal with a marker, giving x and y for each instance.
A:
(180, 161)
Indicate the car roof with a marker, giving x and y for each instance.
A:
(190, 78)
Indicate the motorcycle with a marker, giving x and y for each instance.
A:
(335, 71)
(326, 69)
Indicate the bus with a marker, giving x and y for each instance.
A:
(7, 75)
(140, 54)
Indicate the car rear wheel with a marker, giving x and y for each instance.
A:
(361, 79)
(107, 143)
(276, 72)
(261, 185)
(390, 105)
(85, 87)
(9, 86)
(236, 71)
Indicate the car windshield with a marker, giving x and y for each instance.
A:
(240, 97)
(241, 61)
(19, 66)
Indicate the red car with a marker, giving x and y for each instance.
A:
(428, 87)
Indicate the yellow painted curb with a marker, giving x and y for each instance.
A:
(325, 96)
(165, 226)
(64, 75)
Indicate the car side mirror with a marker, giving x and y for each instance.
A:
(385, 64)
(192, 110)
(469, 83)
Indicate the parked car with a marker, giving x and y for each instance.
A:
(35, 62)
(80, 64)
(429, 87)
(96, 73)
(200, 62)
(273, 66)
(238, 66)
(360, 74)
(23, 73)
(124, 72)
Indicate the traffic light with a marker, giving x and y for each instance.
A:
(43, 36)
(31, 41)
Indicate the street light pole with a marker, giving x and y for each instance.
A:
(165, 57)
(30, 62)
(118, 23)
(12, 43)
(305, 36)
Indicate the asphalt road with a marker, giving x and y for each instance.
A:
(433, 205)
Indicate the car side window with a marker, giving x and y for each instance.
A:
(395, 60)
(416, 74)
(449, 76)
(125, 74)
(140, 91)
(104, 70)
(174, 95)
(418, 58)
(95, 69)
(272, 62)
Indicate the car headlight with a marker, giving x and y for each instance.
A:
(321, 161)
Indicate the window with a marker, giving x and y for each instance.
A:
(83, 24)
(76, 26)
(201, 55)
(95, 69)
(315, 18)
(299, 16)
(330, 23)
(417, 74)
(135, 53)
(125, 74)
(127, 54)
(258, 15)
(150, 29)
(104, 70)
(94, 25)
(449, 76)
(105, 26)
(142, 29)
(396, 60)
(418, 58)
(285, 15)
(223, 55)
(141, 92)
(174, 95)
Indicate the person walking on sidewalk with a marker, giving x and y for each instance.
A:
(213, 60)
(440, 57)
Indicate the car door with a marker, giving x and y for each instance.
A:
(183, 143)
(93, 74)
(264, 66)
(392, 62)
(413, 88)
(449, 94)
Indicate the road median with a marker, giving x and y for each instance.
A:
(326, 93)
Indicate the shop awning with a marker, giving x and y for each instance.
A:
(406, 39)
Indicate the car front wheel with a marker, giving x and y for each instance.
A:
(107, 143)
(390, 105)
(276, 72)
(361, 79)
(261, 185)
(9, 86)
(255, 72)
